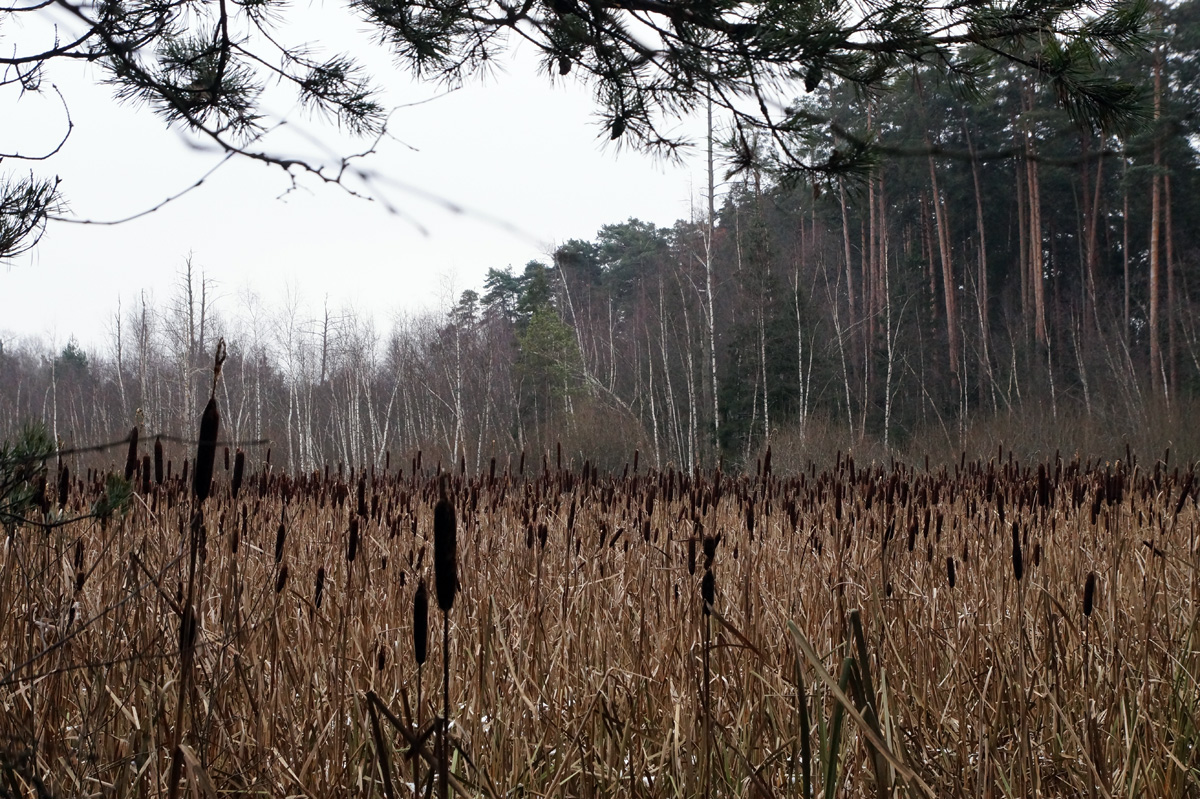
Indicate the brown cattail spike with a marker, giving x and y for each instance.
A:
(445, 553)
(64, 486)
(1089, 594)
(710, 549)
(158, 461)
(206, 450)
(239, 471)
(131, 459)
(708, 590)
(280, 537)
(210, 425)
(1018, 563)
(421, 623)
(352, 546)
(320, 587)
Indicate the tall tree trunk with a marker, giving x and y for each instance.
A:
(708, 277)
(1172, 352)
(1125, 239)
(982, 298)
(1156, 363)
(1023, 251)
(948, 286)
(850, 292)
(762, 353)
(1091, 226)
(1036, 263)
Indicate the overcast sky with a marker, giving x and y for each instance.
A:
(520, 157)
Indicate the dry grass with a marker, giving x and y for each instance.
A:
(577, 663)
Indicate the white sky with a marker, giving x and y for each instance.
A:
(521, 156)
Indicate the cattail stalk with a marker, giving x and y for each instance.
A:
(445, 565)
(420, 650)
(206, 450)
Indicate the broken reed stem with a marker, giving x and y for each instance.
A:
(385, 766)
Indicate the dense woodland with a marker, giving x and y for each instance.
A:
(998, 263)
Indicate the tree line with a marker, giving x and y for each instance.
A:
(987, 255)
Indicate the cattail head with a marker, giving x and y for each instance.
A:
(40, 497)
(239, 471)
(950, 571)
(206, 450)
(710, 549)
(131, 459)
(281, 578)
(352, 546)
(210, 424)
(445, 553)
(320, 587)
(1018, 563)
(421, 622)
(1089, 594)
(708, 590)
(280, 537)
(64, 486)
(158, 461)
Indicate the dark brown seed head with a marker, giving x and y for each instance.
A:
(950, 571)
(280, 537)
(421, 622)
(206, 450)
(131, 459)
(187, 632)
(239, 471)
(281, 579)
(1089, 594)
(691, 562)
(352, 546)
(320, 587)
(1018, 563)
(710, 549)
(158, 461)
(708, 590)
(445, 553)
(64, 486)
(40, 497)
